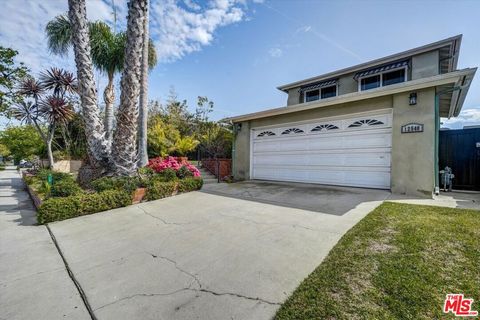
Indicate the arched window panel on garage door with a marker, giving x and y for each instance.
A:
(266, 134)
(324, 128)
(292, 131)
(366, 123)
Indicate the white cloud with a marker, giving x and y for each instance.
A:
(192, 5)
(178, 27)
(275, 52)
(467, 117)
(178, 31)
(22, 28)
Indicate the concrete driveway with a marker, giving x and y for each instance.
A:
(312, 197)
(200, 255)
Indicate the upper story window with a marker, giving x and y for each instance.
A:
(383, 79)
(312, 95)
(321, 93)
(393, 77)
(382, 76)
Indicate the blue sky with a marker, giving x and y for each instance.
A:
(238, 52)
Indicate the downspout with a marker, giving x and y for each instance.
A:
(233, 147)
(437, 139)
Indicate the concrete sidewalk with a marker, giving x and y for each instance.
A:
(33, 281)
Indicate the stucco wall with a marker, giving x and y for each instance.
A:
(413, 153)
(241, 157)
(425, 65)
(346, 84)
(294, 97)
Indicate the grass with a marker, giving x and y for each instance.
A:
(399, 262)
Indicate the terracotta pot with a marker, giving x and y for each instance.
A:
(138, 195)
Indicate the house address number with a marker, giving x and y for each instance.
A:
(412, 127)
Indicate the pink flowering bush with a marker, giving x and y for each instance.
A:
(159, 164)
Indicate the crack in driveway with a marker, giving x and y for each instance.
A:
(195, 279)
(193, 276)
(294, 225)
(162, 220)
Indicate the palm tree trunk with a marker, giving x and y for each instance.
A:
(97, 144)
(109, 99)
(124, 147)
(143, 106)
(51, 132)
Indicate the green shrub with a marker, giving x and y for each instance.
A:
(183, 173)
(42, 175)
(65, 188)
(146, 172)
(190, 184)
(159, 189)
(167, 175)
(29, 179)
(128, 184)
(56, 209)
(60, 155)
(44, 189)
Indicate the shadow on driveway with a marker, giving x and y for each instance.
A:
(313, 197)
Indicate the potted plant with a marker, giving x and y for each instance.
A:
(139, 194)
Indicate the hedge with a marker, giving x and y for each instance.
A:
(128, 184)
(65, 188)
(159, 189)
(56, 209)
(190, 184)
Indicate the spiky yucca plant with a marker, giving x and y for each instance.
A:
(50, 110)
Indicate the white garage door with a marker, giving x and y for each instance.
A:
(348, 152)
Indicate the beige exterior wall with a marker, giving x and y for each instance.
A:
(241, 157)
(294, 97)
(346, 84)
(425, 65)
(412, 153)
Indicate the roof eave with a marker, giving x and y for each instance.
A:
(459, 95)
(446, 78)
(455, 40)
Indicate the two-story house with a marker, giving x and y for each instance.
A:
(372, 125)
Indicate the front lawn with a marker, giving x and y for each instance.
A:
(399, 262)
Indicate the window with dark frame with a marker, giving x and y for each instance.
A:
(328, 92)
(370, 82)
(312, 95)
(322, 93)
(383, 79)
(393, 77)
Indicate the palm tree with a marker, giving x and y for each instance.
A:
(124, 139)
(108, 52)
(98, 146)
(143, 103)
